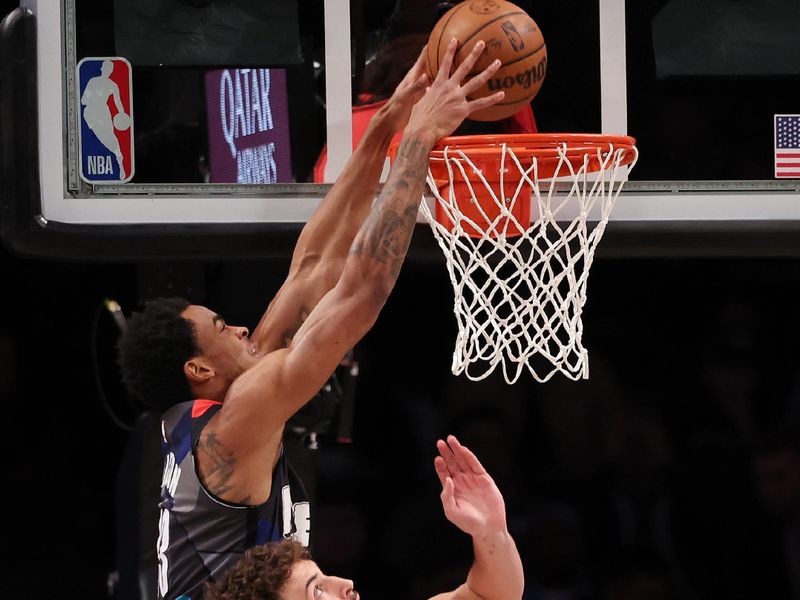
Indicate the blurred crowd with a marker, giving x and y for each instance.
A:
(672, 473)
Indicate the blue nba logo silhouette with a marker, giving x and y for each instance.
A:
(106, 120)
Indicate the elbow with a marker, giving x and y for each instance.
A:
(382, 286)
(369, 298)
(371, 283)
(374, 294)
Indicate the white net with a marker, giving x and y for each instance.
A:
(520, 288)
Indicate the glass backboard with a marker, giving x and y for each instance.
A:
(242, 117)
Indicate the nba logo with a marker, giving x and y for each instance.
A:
(105, 111)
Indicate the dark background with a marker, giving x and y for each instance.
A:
(673, 472)
(648, 471)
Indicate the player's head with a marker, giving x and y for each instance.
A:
(225, 352)
(174, 351)
(107, 68)
(279, 571)
(156, 343)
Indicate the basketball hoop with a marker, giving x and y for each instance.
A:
(518, 218)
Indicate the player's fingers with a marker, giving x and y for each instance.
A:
(420, 66)
(416, 71)
(448, 495)
(466, 456)
(481, 103)
(447, 61)
(441, 469)
(449, 458)
(481, 78)
(469, 61)
(414, 89)
(453, 444)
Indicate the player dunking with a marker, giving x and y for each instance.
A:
(226, 395)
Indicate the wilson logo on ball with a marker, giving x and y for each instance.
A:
(511, 36)
(524, 78)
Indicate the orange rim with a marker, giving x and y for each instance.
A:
(540, 145)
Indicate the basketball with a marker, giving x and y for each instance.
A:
(510, 34)
(122, 121)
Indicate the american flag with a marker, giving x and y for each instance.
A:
(787, 145)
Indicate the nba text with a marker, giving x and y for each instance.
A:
(99, 165)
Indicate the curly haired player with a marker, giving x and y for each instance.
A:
(284, 570)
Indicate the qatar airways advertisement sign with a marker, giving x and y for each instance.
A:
(248, 126)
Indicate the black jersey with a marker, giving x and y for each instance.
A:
(199, 535)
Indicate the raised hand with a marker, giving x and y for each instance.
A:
(446, 103)
(469, 496)
(397, 109)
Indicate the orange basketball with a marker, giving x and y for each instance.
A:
(511, 35)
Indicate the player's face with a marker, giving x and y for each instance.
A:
(227, 347)
(307, 582)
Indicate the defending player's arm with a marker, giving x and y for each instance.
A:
(322, 247)
(473, 503)
(286, 379)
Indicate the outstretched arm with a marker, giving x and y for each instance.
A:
(263, 398)
(321, 249)
(473, 503)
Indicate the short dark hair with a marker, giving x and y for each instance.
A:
(260, 574)
(152, 351)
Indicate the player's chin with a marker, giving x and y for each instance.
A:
(354, 596)
(251, 349)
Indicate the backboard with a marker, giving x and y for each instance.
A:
(228, 153)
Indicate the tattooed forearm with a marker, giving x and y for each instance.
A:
(386, 234)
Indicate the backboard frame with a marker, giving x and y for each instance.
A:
(61, 216)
